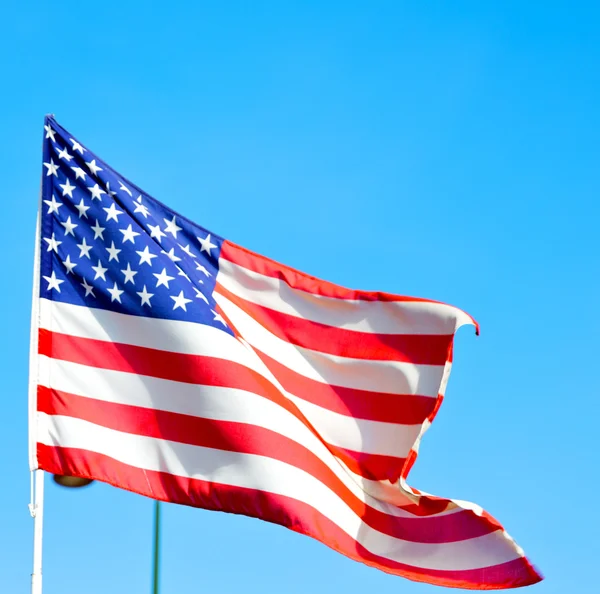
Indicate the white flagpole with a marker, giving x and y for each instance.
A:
(37, 511)
(36, 505)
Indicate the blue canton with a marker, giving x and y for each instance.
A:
(107, 244)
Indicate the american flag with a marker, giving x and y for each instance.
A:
(173, 363)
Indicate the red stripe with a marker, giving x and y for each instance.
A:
(377, 467)
(193, 369)
(409, 463)
(403, 409)
(277, 509)
(304, 282)
(420, 349)
(196, 369)
(250, 439)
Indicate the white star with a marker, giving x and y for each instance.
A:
(172, 227)
(69, 265)
(67, 189)
(180, 301)
(93, 167)
(53, 205)
(52, 168)
(146, 256)
(53, 282)
(139, 207)
(200, 295)
(79, 173)
(155, 231)
(145, 297)
(201, 268)
(115, 293)
(64, 155)
(206, 244)
(181, 273)
(186, 249)
(89, 289)
(76, 146)
(82, 208)
(163, 278)
(100, 271)
(84, 249)
(69, 227)
(129, 274)
(171, 254)
(96, 192)
(124, 188)
(98, 231)
(129, 234)
(52, 244)
(112, 213)
(113, 252)
(218, 318)
(110, 192)
(50, 133)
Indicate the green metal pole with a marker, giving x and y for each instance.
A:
(156, 547)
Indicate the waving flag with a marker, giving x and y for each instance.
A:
(178, 365)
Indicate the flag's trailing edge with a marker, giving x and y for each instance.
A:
(173, 363)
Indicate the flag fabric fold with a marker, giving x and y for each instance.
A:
(175, 364)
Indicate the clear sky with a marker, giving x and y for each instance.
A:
(447, 150)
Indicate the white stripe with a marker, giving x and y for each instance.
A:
(397, 493)
(394, 377)
(176, 336)
(359, 435)
(381, 317)
(270, 475)
(207, 402)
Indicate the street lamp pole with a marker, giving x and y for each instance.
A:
(156, 549)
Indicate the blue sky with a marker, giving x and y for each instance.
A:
(448, 151)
